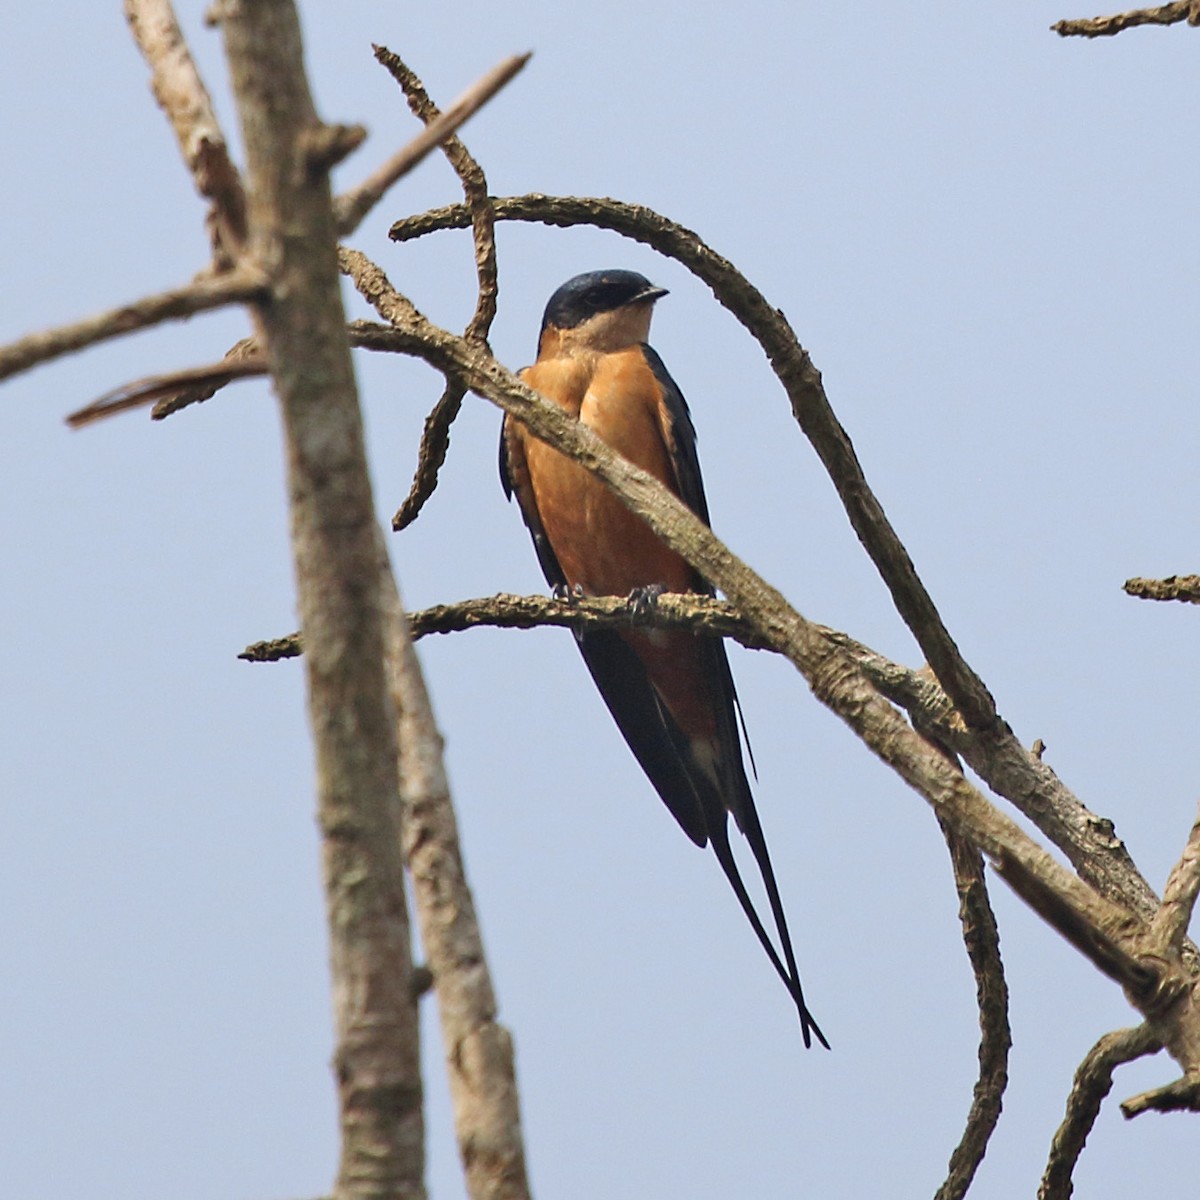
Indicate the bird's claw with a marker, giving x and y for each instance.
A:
(643, 600)
(566, 595)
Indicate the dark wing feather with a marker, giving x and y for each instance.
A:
(513, 480)
(680, 435)
(681, 438)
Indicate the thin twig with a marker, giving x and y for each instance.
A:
(475, 193)
(435, 437)
(1093, 1081)
(167, 406)
(1170, 924)
(241, 286)
(1174, 587)
(201, 381)
(183, 97)
(982, 939)
(698, 614)
(431, 454)
(1181, 1096)
(352, 206)
(1092, 27)
(478, 1049)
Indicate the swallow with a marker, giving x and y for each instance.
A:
(671, 693)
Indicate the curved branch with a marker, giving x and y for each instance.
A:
(1093, 1081)
(982, 939)
(435, 438)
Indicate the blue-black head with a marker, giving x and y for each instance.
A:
(597, 292)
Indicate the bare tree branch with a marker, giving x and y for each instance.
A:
(475, 192)
(353, 206)
(291, 226)
(1170, 924)
(698, 614)
(139, 393)
(243, 285)
(1181, 1096)
(982, 940)
(1093, 1081)
(1174, 587)
(435, 438)
(167, 406)
(1167, 14)
(479, 1050)
(183, 97)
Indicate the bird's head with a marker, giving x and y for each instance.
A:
(600, 311)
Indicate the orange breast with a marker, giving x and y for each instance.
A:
(600, 545)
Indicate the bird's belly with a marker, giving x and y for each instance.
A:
(601, 546)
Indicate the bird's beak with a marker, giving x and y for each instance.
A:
(651, 293)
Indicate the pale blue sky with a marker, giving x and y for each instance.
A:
(983, 235)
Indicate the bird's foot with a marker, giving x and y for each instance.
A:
(643, 600)
(566, 595)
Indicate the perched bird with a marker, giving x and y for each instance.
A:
(671, 693)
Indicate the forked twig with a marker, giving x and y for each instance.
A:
(352, 206)
(241, 286)
(435, 437)
(200, 381)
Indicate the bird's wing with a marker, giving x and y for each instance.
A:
(680, 436)
(514, 478)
